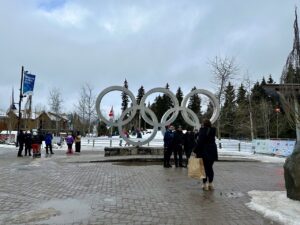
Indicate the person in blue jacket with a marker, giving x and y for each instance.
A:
(168, 140)
(48, 142)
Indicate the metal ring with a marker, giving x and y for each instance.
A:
(155, 128)
(106, 91)
(168, 93)
(194, 123)
(211, 96)
(186, 112)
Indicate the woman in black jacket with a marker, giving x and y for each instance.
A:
(207, 150)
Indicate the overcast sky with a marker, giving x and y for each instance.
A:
(67, 43)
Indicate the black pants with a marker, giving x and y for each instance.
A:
(21, 146)
(188, 152)
(69, 148)
(28, 149)
(77, 146)
(208, 167)
(167, 156)
(178, 151)
(50, 147)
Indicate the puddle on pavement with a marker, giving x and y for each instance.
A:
(137, 163)
(232, 194)
(55, 212)
(34, 216)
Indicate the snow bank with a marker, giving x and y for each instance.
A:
(275, 206)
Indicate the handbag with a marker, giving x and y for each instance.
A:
(196, 168)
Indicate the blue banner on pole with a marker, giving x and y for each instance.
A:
(28, 84)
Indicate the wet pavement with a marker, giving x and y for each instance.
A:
(65, 189)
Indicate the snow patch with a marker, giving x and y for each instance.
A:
(276, 206)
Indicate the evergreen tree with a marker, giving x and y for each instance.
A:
(228, 115)
(141, 93)
(270, 80)
(102, 129)
(125, 99)
(257, 92)
(179, 95)
(167, 100)
(241, 98)
(263, 82)
(195, 104)
(158, 107)
(262, 105)
(242, 122)
(209, 111)
(139, 122)
(179, 120)
(161, 105)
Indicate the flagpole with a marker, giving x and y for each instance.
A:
(111, 118)
(20, 99)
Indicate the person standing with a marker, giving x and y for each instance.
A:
(77, 142)
(189, 144)
(126, 133)
(20, 140)
(177, 145)
(138, 133)
(69, 140)
(28, 142)
(37, 140)
(48, 142)
(168, 139)
(207, 150)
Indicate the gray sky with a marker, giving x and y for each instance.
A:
(67, 43)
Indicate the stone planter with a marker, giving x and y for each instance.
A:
(292, 174)
(124, 151)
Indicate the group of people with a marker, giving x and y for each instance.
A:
(70, 139)
(33, 142)
(178, 143)
(202, 143)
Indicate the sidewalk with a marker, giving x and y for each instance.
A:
(65, 189)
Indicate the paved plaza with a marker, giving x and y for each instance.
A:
(73, 190)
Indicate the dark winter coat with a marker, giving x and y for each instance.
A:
(37, 139)
(168, 138)
(28, 139)
(178, 140)
(206, 145)
(189, 141)
(21, 138)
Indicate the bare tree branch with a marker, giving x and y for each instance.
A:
(223, 69)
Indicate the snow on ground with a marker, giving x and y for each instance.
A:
(276, 206)
(7, 146)
(249, 155)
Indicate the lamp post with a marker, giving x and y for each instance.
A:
(277, 110)
(20, 99)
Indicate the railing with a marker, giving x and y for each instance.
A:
(223, 144)
(235, 145)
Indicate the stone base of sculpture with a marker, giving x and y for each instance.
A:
(292, 174)
(132, 150)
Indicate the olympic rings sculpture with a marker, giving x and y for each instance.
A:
(188, 115)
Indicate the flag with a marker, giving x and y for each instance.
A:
(111, 113)
(28, 83)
